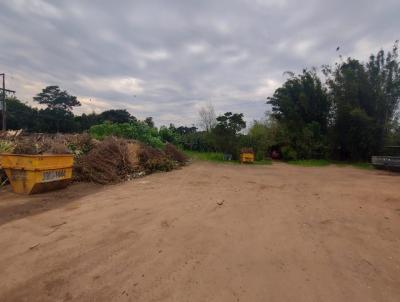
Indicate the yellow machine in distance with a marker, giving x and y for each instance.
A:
(246, 155)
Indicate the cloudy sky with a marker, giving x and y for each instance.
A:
(169, 58)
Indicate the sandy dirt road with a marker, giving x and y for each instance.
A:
(207, 232)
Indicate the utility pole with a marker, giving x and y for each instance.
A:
(4, 107)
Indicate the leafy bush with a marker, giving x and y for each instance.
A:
(167, 135)
(260, 140)
(134, 130)
(6, 146)
(226, 133)
(288, 153)
(210, 156)
(260, 155)
(197, 141)
(80, 144)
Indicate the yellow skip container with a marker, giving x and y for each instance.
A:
(246, 157)
(30, 174)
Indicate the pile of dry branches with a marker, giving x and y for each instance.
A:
(175, 154)
(112, 160)
(107, 162)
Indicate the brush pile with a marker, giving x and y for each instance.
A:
(6, 146)
(115, 160)
(33, 144)
(109, 161)
(152, 159)
(174, 154)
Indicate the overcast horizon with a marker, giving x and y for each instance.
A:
(168, 59)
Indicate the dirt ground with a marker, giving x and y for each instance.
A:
(207, 232)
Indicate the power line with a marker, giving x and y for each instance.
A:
(4, 106)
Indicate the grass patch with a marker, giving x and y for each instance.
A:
(219, 157)
(310, 162)
(365, 166)
(263, 162)
(209, 156)
(324, 162)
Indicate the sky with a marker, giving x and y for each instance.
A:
(167, 59)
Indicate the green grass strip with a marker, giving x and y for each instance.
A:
(324, 162)
(219, 157)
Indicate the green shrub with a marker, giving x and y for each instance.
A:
(167, 135)
(134, 130)
(210, 156)
(288, 153)
(260, 155)
(197, 141)
(6, 146)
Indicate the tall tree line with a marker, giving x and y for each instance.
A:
(348, 111)
(57, 116)
(351, 114)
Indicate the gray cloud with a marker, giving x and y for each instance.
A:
(168, 58)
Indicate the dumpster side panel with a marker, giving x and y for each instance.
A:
(30, 174)
(20, 180)
(36, 162)
(246, 157)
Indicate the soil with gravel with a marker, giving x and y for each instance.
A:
(207, 232)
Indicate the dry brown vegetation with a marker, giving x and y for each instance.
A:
(109, 161)
(175, 154)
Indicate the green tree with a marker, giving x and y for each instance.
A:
(393, 137)
(384, 77)
(365, 98)
(116, 116)
(168, 135)
(20, 115)
(85, 121)
(58, 114)
(55, 120)
(149, 121)
(183, 130)
(225, 133)
(352, 97)
(56, 99)
(259, 136)
(301, 107)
